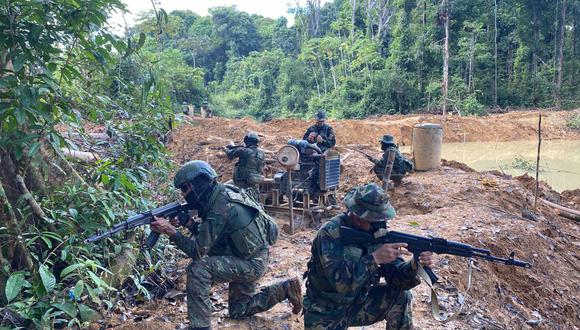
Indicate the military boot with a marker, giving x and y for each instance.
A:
(293, 291)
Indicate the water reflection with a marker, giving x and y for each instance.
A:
(559, 159)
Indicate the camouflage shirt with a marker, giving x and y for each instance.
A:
(248, 170)
(340, 275)
(327, 135)
(222, 217)
(401, 165)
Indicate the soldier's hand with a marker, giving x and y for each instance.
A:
(311, 137)
(163, 226)
(426, 259)
(174, 222)
(390, 252)
(319, 139)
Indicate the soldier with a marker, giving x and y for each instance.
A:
(248, 171)
(206, 111)
(401, 165)
(231, 246)
(320, 133)
(343, 286)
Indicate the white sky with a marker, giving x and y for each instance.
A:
(267, 8)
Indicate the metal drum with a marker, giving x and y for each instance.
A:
(427, 141)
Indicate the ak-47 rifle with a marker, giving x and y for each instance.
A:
(228, 147)
(417, 244)
(369, 157)
(171, 210)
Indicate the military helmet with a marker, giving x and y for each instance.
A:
(252, 136)
(370, 203)
(191, 170)
(387, 139)
(320, 114)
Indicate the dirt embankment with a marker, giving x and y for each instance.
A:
(488, 210)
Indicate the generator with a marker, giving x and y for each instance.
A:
(308, 186)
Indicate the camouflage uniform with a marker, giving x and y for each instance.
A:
(343, 288)
(329, 139)
(248, 169)
(231, 246)
(401, 165)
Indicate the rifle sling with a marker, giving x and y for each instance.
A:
(435, 302)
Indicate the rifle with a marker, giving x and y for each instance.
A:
(369, 157)
(417, 244)
(171, 210)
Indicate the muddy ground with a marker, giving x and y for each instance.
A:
(487, 209)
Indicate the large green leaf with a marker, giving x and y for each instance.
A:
(47, 277)
(79, 288)
(14, 285)
(67, 307)
(70, 269)
(87, 313)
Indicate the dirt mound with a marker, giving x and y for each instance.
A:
(488, 210)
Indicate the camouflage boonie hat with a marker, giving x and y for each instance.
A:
(370, 203)
(387, 139)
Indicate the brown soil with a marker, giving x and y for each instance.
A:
(487, 210)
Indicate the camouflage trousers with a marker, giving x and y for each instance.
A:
(381, 303)
(242, 276)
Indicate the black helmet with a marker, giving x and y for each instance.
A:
(252, 137)
(191, 170)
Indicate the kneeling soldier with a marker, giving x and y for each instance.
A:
(342, 287)
(231, 247)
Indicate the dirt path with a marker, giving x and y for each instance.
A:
(455, 202)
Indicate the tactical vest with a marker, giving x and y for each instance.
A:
(248, 170)
(250, 235)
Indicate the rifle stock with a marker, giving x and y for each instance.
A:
(417, 244)
(171, 210)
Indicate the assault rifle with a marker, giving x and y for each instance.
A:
(417, 244)
(369, 157)
(229, 147)
(171, 210)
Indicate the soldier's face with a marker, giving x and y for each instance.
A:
(359, 223)
(320, 123)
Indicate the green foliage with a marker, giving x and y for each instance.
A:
(521, 163)
(573, 121)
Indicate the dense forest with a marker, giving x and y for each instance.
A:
(359, 58)
(63, 72)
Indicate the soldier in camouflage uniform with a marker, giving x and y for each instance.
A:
(342, 287)
(320, 133)
(231, 246)
(401, 165)
(249, 168)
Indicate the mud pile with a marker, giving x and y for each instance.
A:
(487, 210)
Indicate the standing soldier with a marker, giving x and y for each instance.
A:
(320, 133)
(343, 288)
(231, 247)
(401, 165)
(248, 171)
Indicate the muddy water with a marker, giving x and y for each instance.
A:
(559, 159)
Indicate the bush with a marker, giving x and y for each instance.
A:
(471, 107)
(573, 121)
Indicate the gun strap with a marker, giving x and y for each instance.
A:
(435, 302)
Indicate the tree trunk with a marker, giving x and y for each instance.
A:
(495, 52)
(534, 52)
(561, 55)
(315, 78)
(323, 74)
(9, 218)
(353, 4)
(333, 72)
(446, 57)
